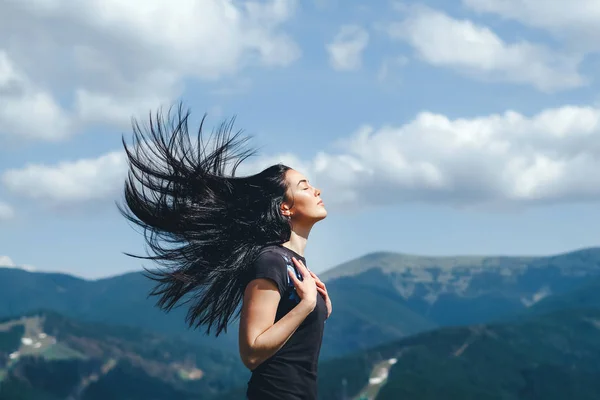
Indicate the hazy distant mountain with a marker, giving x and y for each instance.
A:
(47, 356)
(377, 298)
(120, 300)
(465, 290)
(553, 356)
(394, 295)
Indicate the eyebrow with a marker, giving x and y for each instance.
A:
(303, 180)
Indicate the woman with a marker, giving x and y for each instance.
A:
(232, 243)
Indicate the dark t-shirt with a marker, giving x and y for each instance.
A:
(291, 373)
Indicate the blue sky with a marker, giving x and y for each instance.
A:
(435, 128)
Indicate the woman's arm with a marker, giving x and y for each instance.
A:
(259, 336)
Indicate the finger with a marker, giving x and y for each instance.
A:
(299, 263)
(323, 292)
(294, 277)
(319, 281)
(301, 267)
(314, 276)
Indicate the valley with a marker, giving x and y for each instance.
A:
(69, 358)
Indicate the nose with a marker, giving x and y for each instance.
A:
(317, 192)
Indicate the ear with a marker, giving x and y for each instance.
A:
(285, 209)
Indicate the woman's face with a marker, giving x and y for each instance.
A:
(304, 202)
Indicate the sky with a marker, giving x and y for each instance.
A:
(465, 127)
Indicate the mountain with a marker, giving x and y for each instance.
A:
(468, 290)
(123, 300)
(119, 300)
(587, 295)
(45, 355)
(376, 298)
(385, 296)
(368, 311)
(551, 356)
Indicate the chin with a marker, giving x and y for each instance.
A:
(322, 215)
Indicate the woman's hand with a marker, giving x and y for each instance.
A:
(322, 289)
(306, 288)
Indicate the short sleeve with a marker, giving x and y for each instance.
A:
(270, 265)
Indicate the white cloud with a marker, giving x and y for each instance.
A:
(347, 47)
(7, 262)
(94, 180)
(507, 159)
(84, 180)
(28, 111)
(6, 211)
(115, 59)
(577, 21)
(499, 159)
(476, 50)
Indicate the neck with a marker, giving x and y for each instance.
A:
(298, 240)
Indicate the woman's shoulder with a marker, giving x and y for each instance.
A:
(273, 254)
(271, 263)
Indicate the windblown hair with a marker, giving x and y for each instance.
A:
(204, 226)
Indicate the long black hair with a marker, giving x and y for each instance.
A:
(203, 225)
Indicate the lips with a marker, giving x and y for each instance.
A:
(320, 203)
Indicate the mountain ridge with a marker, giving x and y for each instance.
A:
(375, 303)
(331, 272)
(408, 260)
